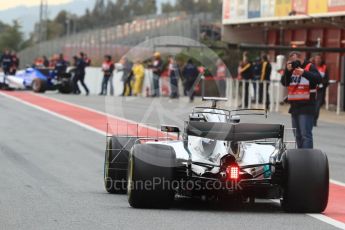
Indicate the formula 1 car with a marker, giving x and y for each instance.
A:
(38, 79)
(217, 158)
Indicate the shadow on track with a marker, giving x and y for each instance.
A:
(262, 206)
(188, 204)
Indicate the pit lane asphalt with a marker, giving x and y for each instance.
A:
(328, 137)
(51, 174)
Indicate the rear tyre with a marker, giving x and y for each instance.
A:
(3, 86)
(306, 181)
(66, 87)
(150, 173)
(39, 85)
(116, 164)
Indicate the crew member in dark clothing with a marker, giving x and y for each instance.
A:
(15, 63)
(87, 60)
(76, 89)
(73, 72)
(265, 77)
(157, 68)
(174, 74)
(61, 65)
(302, 78)
(127, 76)
(321, 92)
(45, 62)
(79, 74)
(190, 73)
(246, 73)
(6, 62)
(108, 69)
(257, 65)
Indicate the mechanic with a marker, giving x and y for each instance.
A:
(265, 78)
(86, 59)
(6, 62)
(321, 92)
(52, 62)
(139, 76)
(38, 63)
(157, 68)
(174, 74)
(246, 73)
(15, 63)
(221, 77)
(61, 65)
(257, 64)
(80, 66)
(301, 78)
(190, 73)
(108, 69)
(127, 76)
(45, 62)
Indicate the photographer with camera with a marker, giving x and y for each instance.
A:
(302, 78)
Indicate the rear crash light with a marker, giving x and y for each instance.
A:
(233, 172)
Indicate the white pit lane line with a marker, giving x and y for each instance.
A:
(320, 217)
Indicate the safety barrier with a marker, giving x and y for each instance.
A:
(236, 93)
(338, 84)
(276, 92)
(235, 90)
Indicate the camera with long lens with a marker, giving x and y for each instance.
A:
(296, 64)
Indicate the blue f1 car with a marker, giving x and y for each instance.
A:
(39, 80)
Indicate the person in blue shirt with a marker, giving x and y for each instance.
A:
(61, 65)
(157, 69)
(190, 73)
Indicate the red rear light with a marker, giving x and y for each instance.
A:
(233, 172)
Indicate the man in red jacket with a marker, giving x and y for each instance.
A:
(107, 69)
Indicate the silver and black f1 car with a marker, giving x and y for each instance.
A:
(218, 157)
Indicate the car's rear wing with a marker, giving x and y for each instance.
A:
(234, 132)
